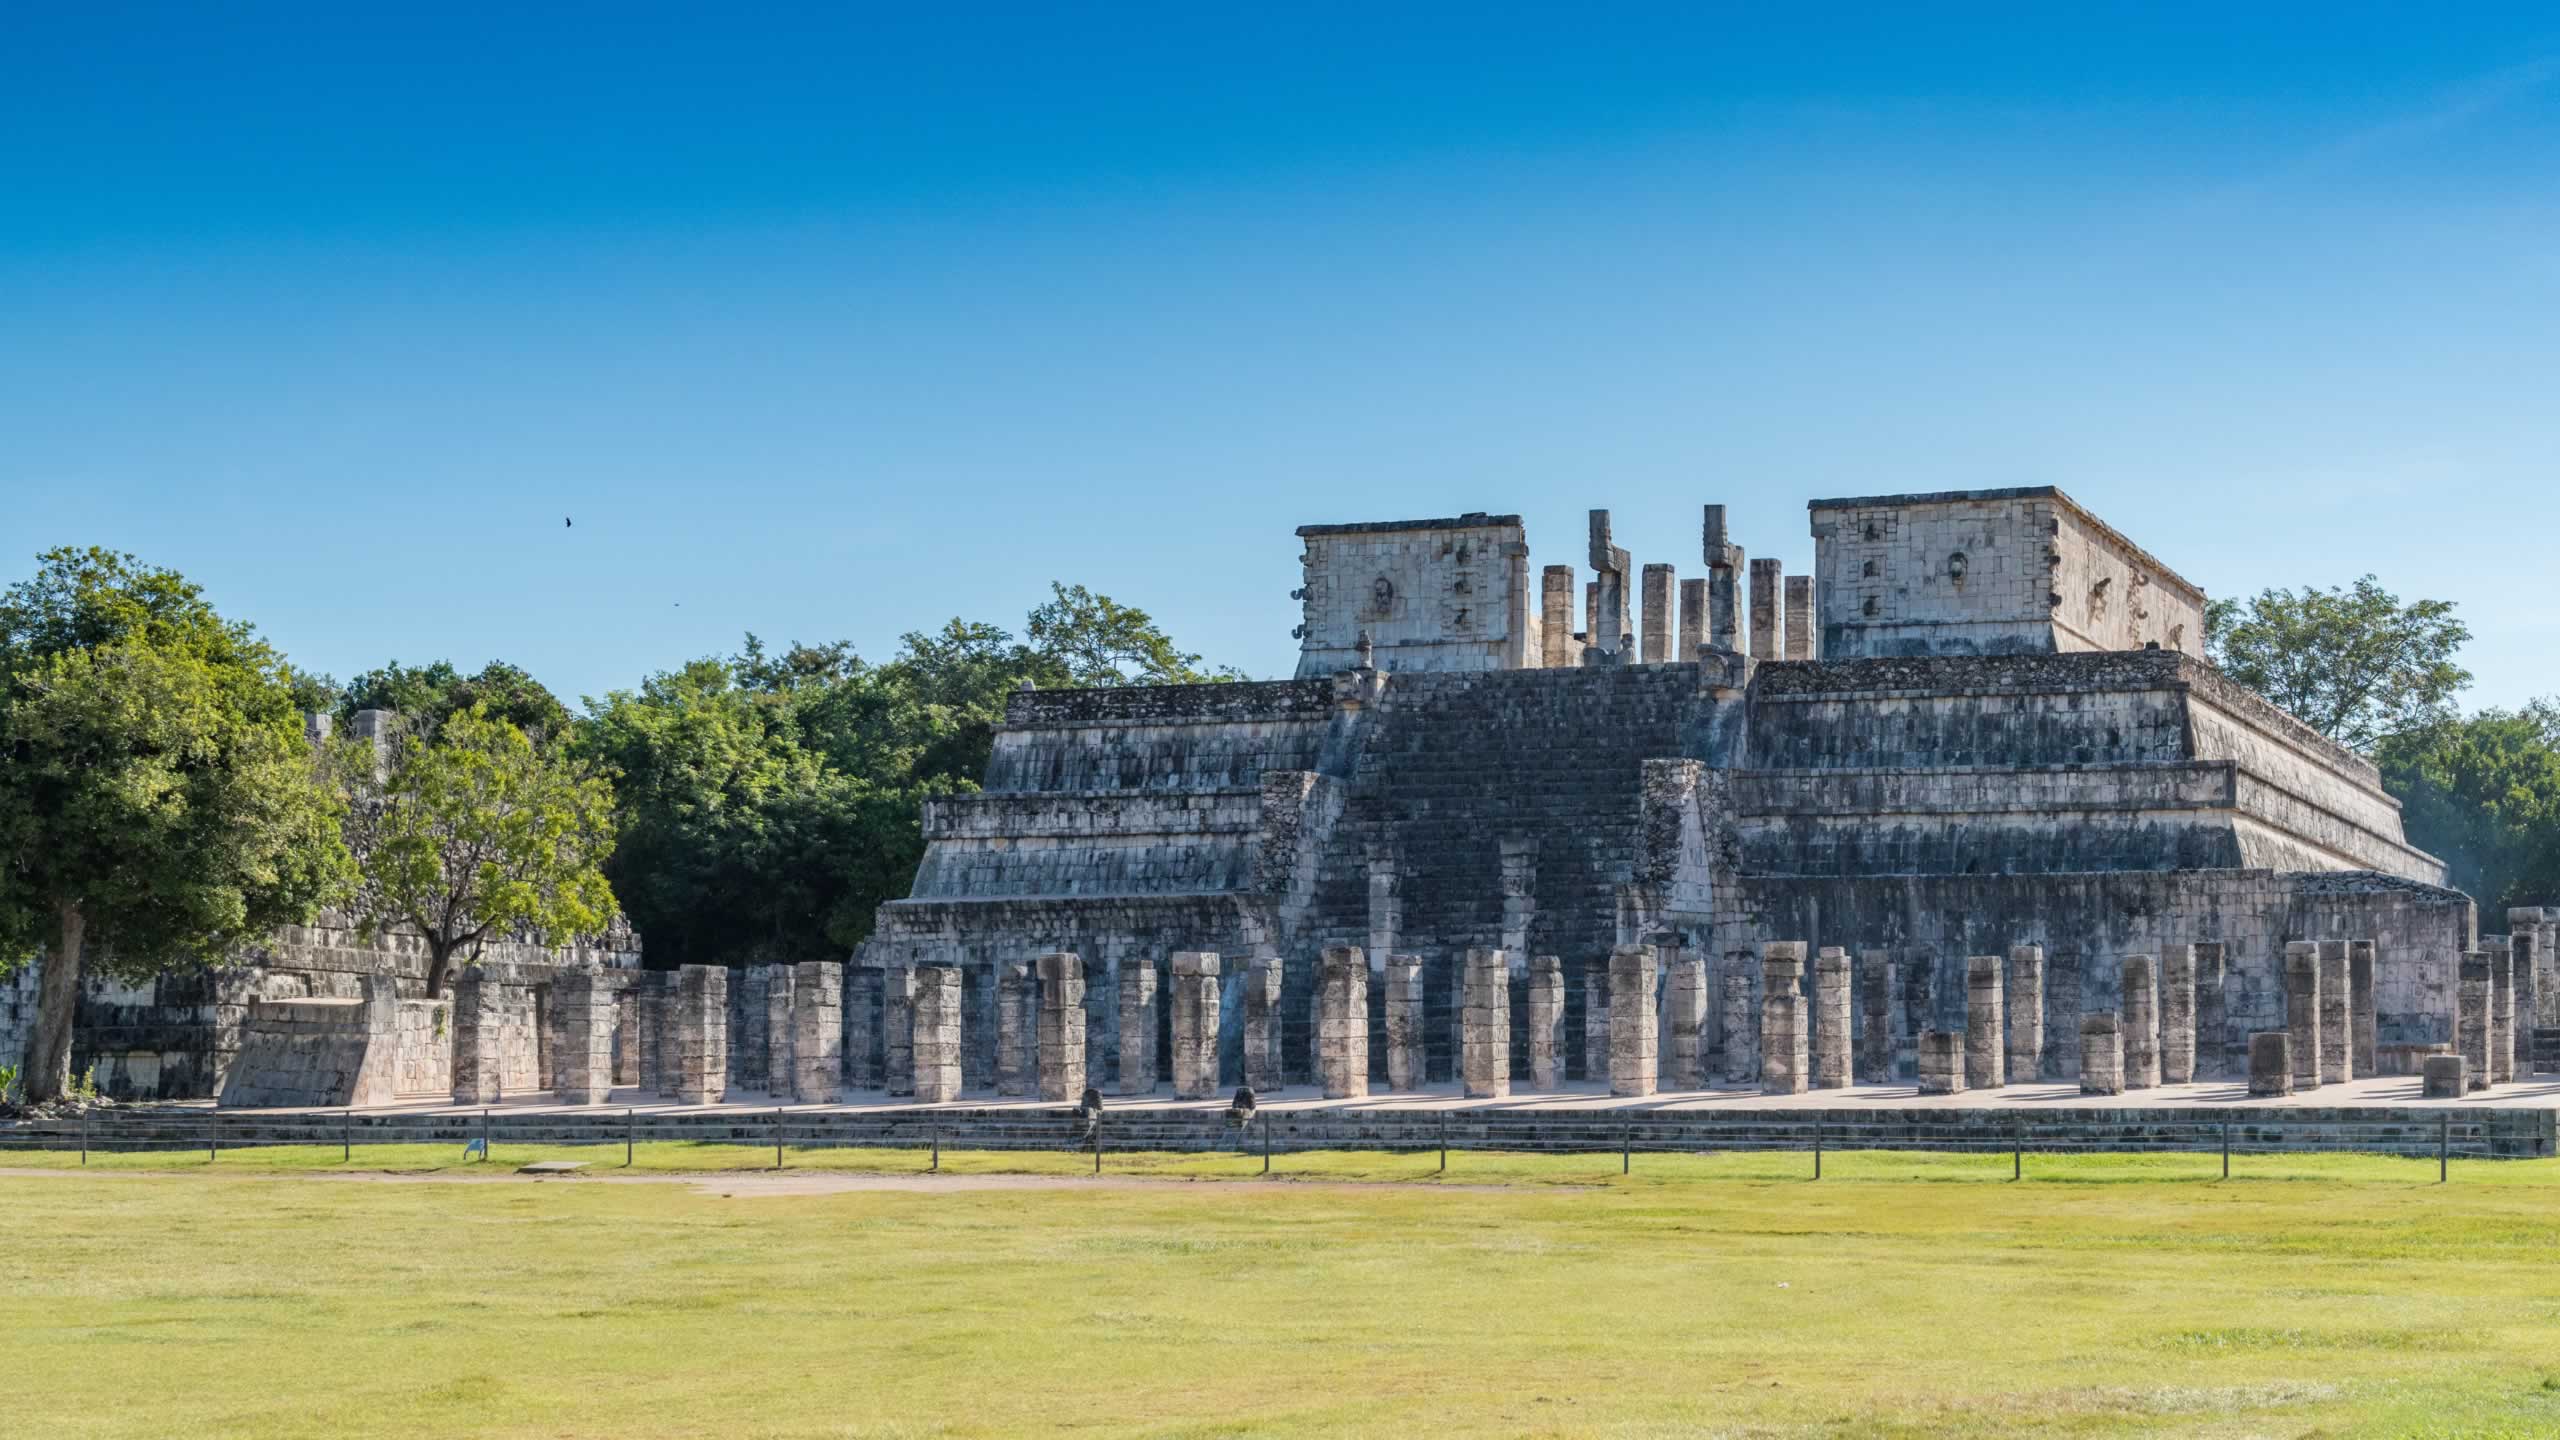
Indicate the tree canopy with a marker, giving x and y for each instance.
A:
(425, 695)
(2482, 793)
(158, 802)
(2353, 662)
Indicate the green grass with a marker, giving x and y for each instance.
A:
(1716, 1295)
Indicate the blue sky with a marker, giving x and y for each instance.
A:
(836, 323)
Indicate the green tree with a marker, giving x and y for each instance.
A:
(2353, 662)
(1094, 640)
(2482, 793)
(476, 832)
(158, 802)
(425, 695)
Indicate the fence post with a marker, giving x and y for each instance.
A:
(2018, 1150)
(484, 1138)
(936, 1167)
(212, 1139)
(630, 1136)
(1444, 1142)
(347, 1136)
(777, 1139)
(1817, 1147)
(84, 1134)
(2444, 1144)
(2226, 1149)
(1627, 1150)
(1097, 1144)
(1266, 1142)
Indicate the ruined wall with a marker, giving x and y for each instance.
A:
(1431, 595)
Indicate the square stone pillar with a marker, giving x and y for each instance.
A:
(1942, 1062)
(656, 994)
(1484, 1025)
(1685, 1067)
(898, 1028)
(2337, 1009)
(1765, 575)
(2101, 1054)
(1659, 582)
(1693, 618)
(777, 1030)
(862, 1026)
(1831, 1028)
(2441, 1077)
(1262, 990)
(1195, 1024)
(1595, 1020)
(817, 1032)
(1555, 617)
(2363, 1021)
(1875, 1018)
(1018, 1029)
(701, 1006)
(2471, 1017)
(1137, 1026)
(1404, 1022)
(2302, 1010)
(1724, 600)
(2524, 949)
(479, 1050)
(626, 1036)
(2502, 1009)
(1743, 979)
(1986, 1042)
(1635, 1041)
(936, 1042)
(1785, 1068)
(1546, 1017)
(2215, 1055)
(2141, 1029)
(2271, 1062)
(582, 1070)
(1799, 617)
(2022, 1012)
(2178, 1015)
(1062, 1027)
(1342, 1022)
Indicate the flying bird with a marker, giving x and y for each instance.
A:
(568, 524)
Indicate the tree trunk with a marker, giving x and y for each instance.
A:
(48, 1063)
(439, 960)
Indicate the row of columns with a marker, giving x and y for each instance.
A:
(1707, 612)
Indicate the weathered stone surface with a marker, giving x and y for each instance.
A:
(1685, 1021)
(898, 1028)
(1138, 1027)
(936, 1042)
(318, 1052)
(1875, 1018)
(2271, 1068)
(1062, 1027)
(1263, 987)
(1785, 1031)
(817, 1032)
(1195, 1024)
(2101, 1054)
(1986, 1051)
(1484, 1025)
(780, 1067)
(1831, 1025)
(479, 1064)
(1660, 581)
(2502, 1009)
(1799, 617)
(2301, 1011)
(2178, 1015)
(582, 1068)
(1634, 1039)
(2218, 1055)
(2472, 1032)
(1018, 1030)
(2022, 1010)
(2337, 1015)
(1342, 1022)
(1403, 1015)
(2443, 1077)
(1765, 605)
(2141, 1029)
(2363, 1022)
(1743, 978)
(1942, 1062)
(702, 1034)
(1546, 1018)
(2524, 948)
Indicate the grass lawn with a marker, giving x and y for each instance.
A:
(1722, 1295)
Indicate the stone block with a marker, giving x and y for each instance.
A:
(2271, 1067)
(1018, 1029)
(1742, 1018)
(1942, 1062)
(2471, 1030)
(2216, 1056)
(2101, 1053)
(2502, 1009)
(898, 1027)
(582, 1066)
(2442, 1077)
(2364, 1020)
(479, 1060)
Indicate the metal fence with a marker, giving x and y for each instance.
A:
(1269, 1136)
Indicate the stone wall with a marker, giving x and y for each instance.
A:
(320, 1052)
(1428, 594)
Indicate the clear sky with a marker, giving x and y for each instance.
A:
(839, 322)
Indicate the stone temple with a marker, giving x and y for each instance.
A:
(1983, 727)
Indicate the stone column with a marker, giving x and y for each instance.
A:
(1743, 980)
(1686, 994)
(1659, 583)
(1724, 568)
(2302, 1010)
(2141, 1029)
(1555, 617)
(2271, 1062)
(2502, 1009)
(2471, 1026)
(2363, 1022)
(2214, 1058)
(2337, 1008)
(1986, 1045)
(777, 1030)
(2524, 948)
(1342, 1022)
(1595, 1020)
(1546, 1017)
(1404, 1022)
(2022, 1011)
(2101, 1054)
(2441, 1077)
(2178, 1015)
(1017, 1030)
(1484, 1025)
(702, 1034)
(1635, 1041)
(1831, 1029)
(626, 1036)
(817, 1032)
(1799, 617)
(1062, 1027)
(2546, 977)
(1610, 630)
(1875, 1018)
(862, 1045)
(936, 1041)
(1942, 1062)
(1764, 609)
(479, 1053)
(1195, 1024)
(1693, 618)
(1784, 1066)
(1137, 1025)
(582, 1072)
(1263, 975)
(898, 1028)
